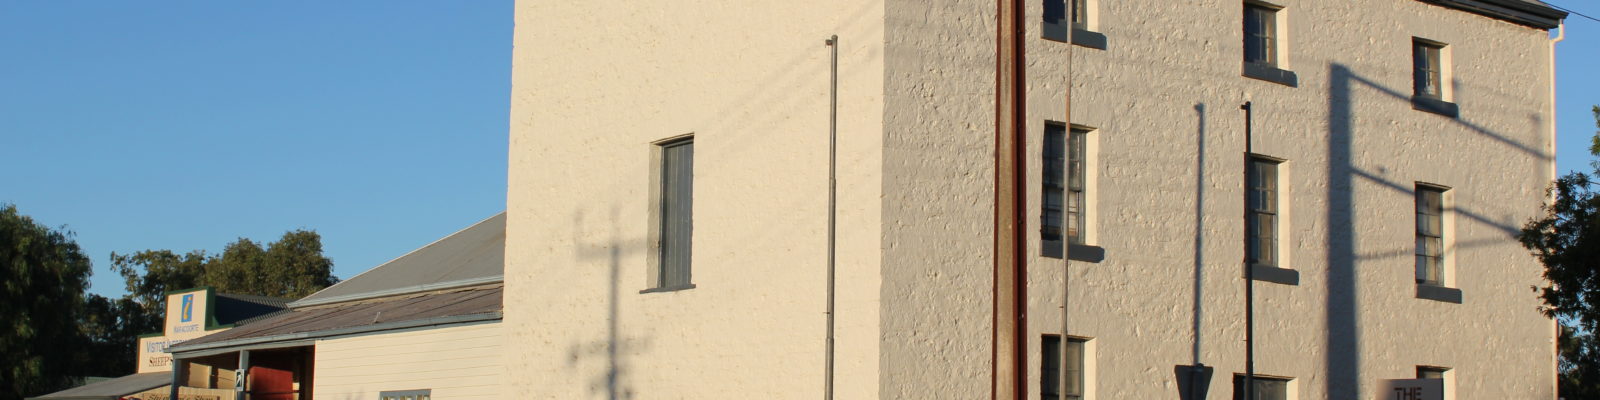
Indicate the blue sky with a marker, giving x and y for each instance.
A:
(184, 125)
(380, 124)
(1577, 85)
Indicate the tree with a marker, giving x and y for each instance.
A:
(42, 277)
(291, 267)
(111, 329)
(1566, 239)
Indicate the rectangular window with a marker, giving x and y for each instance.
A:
(677, 212)
(1428, 70)
(1427, 372)
(1266, 388)
(1262, 238)
(1260, 34)
(1063, 194)
(1055, 11)
(1430, 235)
(1059, 11)
(1050, 387)
(424, 394)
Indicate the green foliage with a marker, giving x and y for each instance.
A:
(291, 267)
(1579, 364)
(1594, 143)
(51, 334)
(42, 277)
(111, 329)
(1566, 239)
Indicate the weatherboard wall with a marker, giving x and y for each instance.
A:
(455, 362)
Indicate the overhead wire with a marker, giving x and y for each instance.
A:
(1570, 11)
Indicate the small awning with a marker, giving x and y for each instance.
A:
(112, 389)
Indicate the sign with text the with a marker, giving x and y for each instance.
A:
(1411, 389)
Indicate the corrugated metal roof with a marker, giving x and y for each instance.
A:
(242, 308)
(342, 318)
(113, 388)
(475, 254)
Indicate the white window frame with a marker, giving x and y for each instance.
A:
(1291, 386)
(1049, 376)
(1276, 209)
(1277, 31)
(1439, 69)
(1444, 265)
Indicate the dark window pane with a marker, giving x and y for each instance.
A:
(1055, 11)
(1259, 35)
(1265, 388)
(1262, 194)
(1430, 235)
(1050, 367)
(1050, 384)
(1073, 387)
(1427, 69)
(677, 213)
(1052, 188)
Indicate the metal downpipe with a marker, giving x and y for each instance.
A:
(833, 185)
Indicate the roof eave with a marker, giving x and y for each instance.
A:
(1515, 11)
(295, 339)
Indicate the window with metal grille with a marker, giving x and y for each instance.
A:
(677, 212)
(1262, 238)
(1266, 388)
(1050, 365)
(1428, 68)
(1430, 235)
(1260, 34)
(1064, 192)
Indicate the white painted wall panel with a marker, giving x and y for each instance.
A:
(455, 362)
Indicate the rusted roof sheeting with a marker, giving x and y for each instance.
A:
(313, 320)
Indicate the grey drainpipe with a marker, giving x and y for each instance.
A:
(1249, 270)
(833, 134)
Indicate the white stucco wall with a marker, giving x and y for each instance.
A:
(1355, 149)
(594, 84)
(938, 183)
(455, 362)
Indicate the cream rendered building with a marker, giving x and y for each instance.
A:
(1358, 105)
